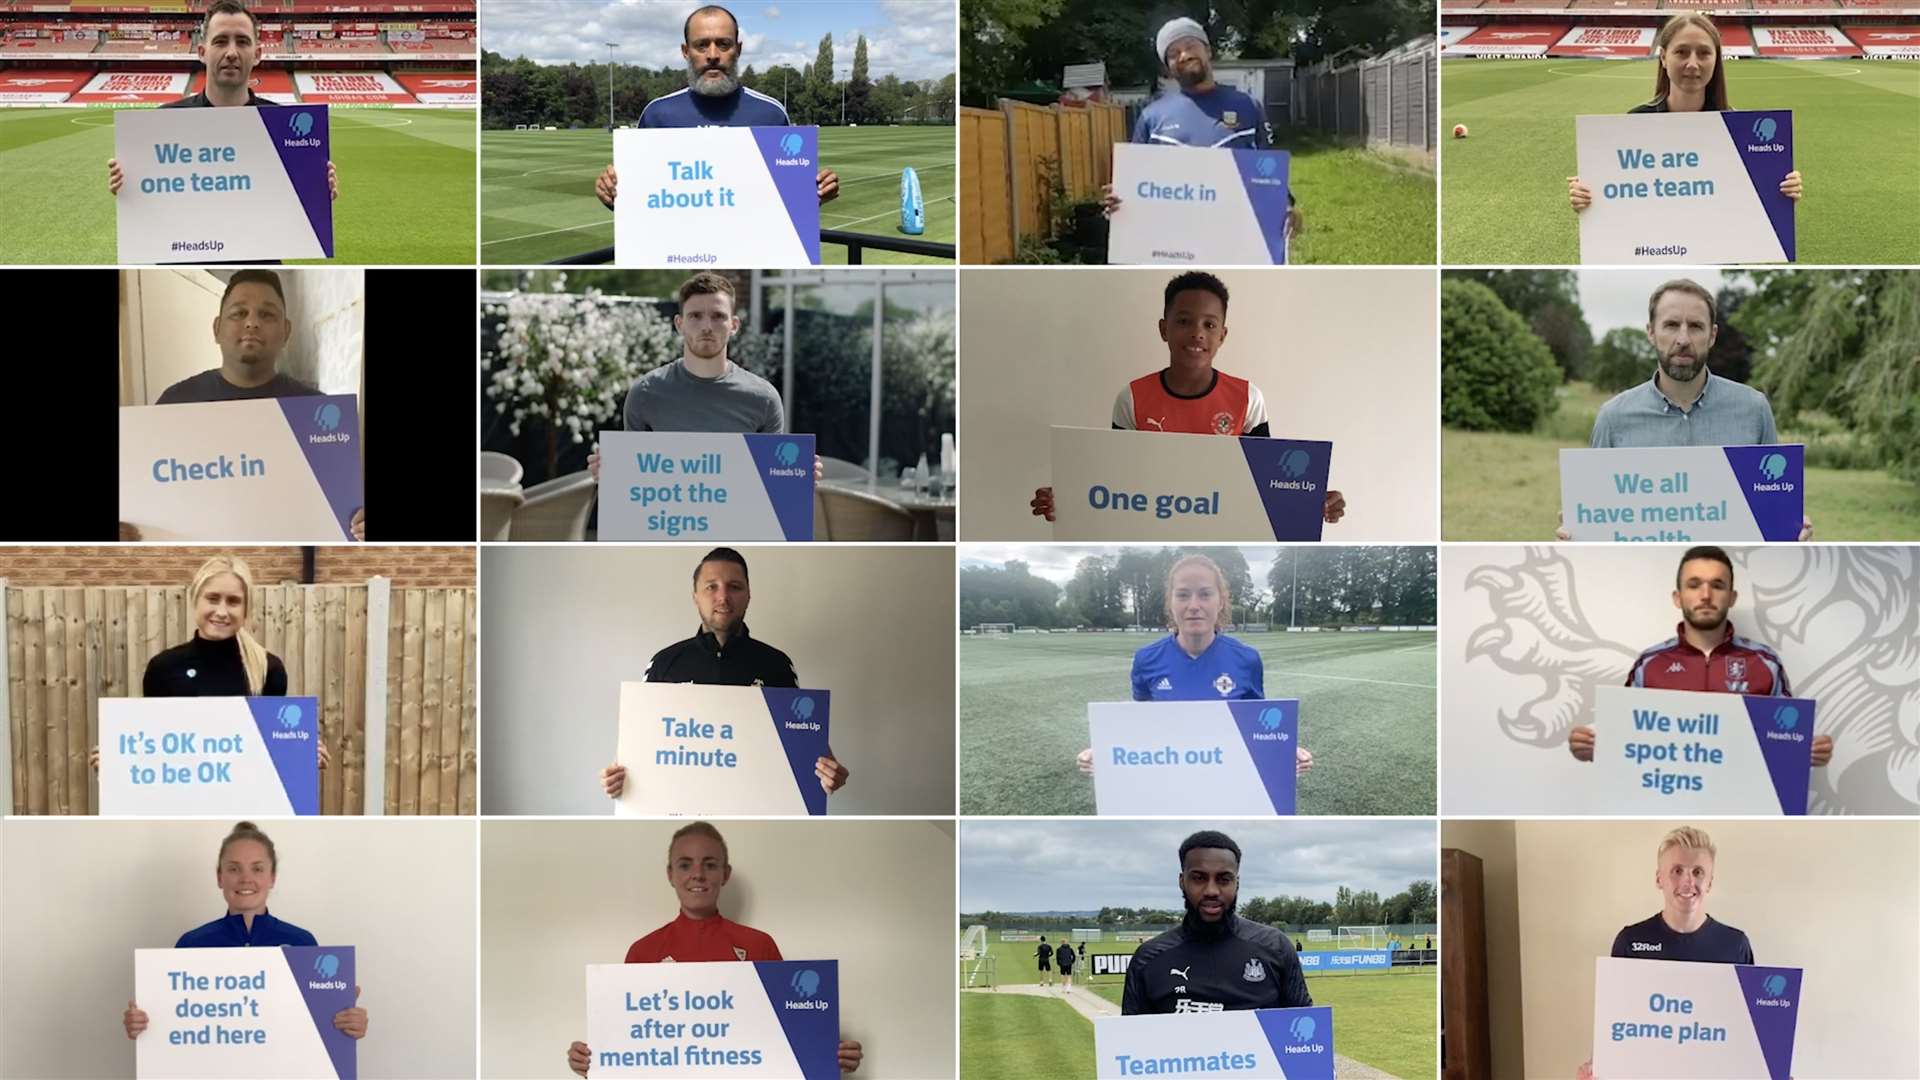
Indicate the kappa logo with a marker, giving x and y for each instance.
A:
(1164, 683)
(1254, 971)
(1182, 972)
(1224, 684)
(1676, 666)
(1772, 466)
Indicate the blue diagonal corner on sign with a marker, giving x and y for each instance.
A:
(327, 430)
(1263, 176)
(790, 496)
(1294, 514)
(1756, 468)
(303, 964)
(1767, 168)
(802, 748)
(1271, 741)
(805, 997)
(1302, 1039)
(305, 165)
(1774, 1015)
(1783, 727)
(798, 185)
(295, 761)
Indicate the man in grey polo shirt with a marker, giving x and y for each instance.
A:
(1684, 404)
(703, 390)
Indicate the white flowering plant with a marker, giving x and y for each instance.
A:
(566, 360)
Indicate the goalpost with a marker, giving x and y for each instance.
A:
(994, 629)
(975, 962)
(1362, 937)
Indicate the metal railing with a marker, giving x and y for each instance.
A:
(854, 242)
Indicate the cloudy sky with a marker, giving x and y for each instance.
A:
(913, 39)
(1087, 865)
(1055, 562)
(1611, 298)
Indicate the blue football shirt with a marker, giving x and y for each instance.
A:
(742, 108)
(1228, 669)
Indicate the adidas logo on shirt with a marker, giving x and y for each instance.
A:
(1164, 683)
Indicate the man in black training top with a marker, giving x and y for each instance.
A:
(1044, 954)
(1064, 956)
(723, 653)
(1214, 961)
(229, 47)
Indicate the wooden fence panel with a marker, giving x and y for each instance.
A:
(986, 192)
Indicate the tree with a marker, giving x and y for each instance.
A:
(1495, 372)
(1623, 358)
(992, 43)
(859, 89)
(1550, 302)
(823, 98)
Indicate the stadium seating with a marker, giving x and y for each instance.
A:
(40, 86)
(1510, 40)
(1888, 42)
(1606, 43)
(1803, 40)
(1735, 38)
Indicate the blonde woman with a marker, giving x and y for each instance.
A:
(245, 871)
(1197, 662)
(1690, 78)
(223, 658)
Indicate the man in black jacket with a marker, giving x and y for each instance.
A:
(1214, 961)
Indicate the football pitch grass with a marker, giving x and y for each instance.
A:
(537, 202)
(1385, 1020)
(1366, 713)
(1504, 187)
(406, 186)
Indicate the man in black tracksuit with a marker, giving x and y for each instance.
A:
(1044, 953)
(1214, 961)
(1064, 956)
(723, 653)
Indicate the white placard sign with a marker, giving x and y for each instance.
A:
(244, 1014)
(244, 756)
(710, 197)
(1196, 758)
(1664, 1020)
(1693, 188)
(697, 749)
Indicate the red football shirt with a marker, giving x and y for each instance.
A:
(1737, 665)
(696, 940)
(1231, 406)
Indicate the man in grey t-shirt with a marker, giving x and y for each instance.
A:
(1684, 404)
(703, 390)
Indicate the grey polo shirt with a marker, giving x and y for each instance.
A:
(1727, 413)
(670, 398)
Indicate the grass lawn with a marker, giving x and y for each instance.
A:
(1366, 712)
(1504, 486)
(406, 186)
(537, 201)
(1014, 1037)
(1359, 205)
(1505, 191)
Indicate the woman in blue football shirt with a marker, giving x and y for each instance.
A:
(245, 872)
(1197, 662)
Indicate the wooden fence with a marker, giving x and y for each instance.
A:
(1010, 158)
(69, 647)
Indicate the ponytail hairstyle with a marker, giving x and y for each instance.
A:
(253, 655)
(247, 830)
(1220, 581)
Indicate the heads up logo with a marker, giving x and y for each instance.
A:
(1270, 719)
(289, 716)
(1293, 464)
(327, 416)
(787, 453)
(790, 143)
(1267, 165)
(806, 982)
(301, 124)
(1786, 718)
(326, 965)
(1764, 128)
(803, 708)
(1773, 466)
(1775, 985)
(1301, 1030)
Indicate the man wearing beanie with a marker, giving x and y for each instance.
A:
(1203, 113)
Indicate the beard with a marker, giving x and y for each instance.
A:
(1679, 374)
(1193, 77)
(720, 87)
(1200, 929)
(1705, 622)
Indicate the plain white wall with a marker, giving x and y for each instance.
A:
(875, 895)
(1526, 632)
(1837, 898)
(77, 897)
(563, 627)
(170, 313)
(1491, 840)
(1346, 355)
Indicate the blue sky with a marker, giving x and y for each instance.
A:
(913, 39)
(1054, 865)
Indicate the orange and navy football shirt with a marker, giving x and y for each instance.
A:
(1230, 406)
